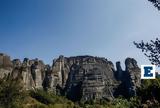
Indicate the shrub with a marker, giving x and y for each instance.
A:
(12, 94)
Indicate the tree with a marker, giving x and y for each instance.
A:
(12, 93)
(151, 50)
(156, 3)
(149, 89)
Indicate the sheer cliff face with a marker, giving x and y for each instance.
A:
(133, 75)
(80, 77)
(83, 76)
(31, 72)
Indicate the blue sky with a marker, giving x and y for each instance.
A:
(49, 28)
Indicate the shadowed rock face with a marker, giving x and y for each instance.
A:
(5, 65)
(86, 77)
(129, 78)
(79, 77)
(133, 75)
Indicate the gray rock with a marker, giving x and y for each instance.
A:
(78, 78)
(26, 74)
(47, 79)
(84, 76)
(37, 72)
(133, 75)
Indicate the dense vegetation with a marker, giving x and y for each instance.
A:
(150, 89)
(13, 95)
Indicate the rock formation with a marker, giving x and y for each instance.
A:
(78, 78)
(133, 75)
(5, 65)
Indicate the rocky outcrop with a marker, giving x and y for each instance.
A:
(60, 70)
(78, 78)
(48, 80)
(133, 75)
(88, 77)
(31, 72)
(129, 79)
(5, 65)
(37, 72)
(119, 73)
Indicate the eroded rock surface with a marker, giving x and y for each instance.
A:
(78, 78)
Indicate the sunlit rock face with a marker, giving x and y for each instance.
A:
(26, 74)
(37, 72)
(17, 68)
(78, 78)
(60, 71)
(31, 72)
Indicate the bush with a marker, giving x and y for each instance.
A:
(43, 97)
(12, 94)
(51, 100)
